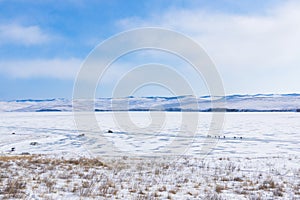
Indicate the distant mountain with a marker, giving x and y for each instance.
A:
(233, 103)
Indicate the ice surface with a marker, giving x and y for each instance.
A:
(263, 134)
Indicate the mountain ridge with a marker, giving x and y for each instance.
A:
(230, 103)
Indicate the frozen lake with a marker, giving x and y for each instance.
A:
(243, 135)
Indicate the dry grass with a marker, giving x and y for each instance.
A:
(15, 158)
(37, 159)
(267, 184)
(14, 188)
(136, 179)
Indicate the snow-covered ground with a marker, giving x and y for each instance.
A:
(263, 134)
(256, 157)
(234, 103)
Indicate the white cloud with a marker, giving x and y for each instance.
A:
(245, 47)
(25, 35)
(52, 68)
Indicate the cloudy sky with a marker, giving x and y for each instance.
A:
(254, 44)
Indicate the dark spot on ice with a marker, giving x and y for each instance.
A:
(13, 133)
(25, 153)
(110, 131)
(13, 149)
(34, 143)
(81, 135)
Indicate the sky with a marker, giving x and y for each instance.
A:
(43, 43)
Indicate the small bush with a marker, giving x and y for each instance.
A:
(238, 179)
(219, 188)
(14, 188)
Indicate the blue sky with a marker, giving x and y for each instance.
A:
(254, 44)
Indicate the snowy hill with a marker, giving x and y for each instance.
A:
(233, 103)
